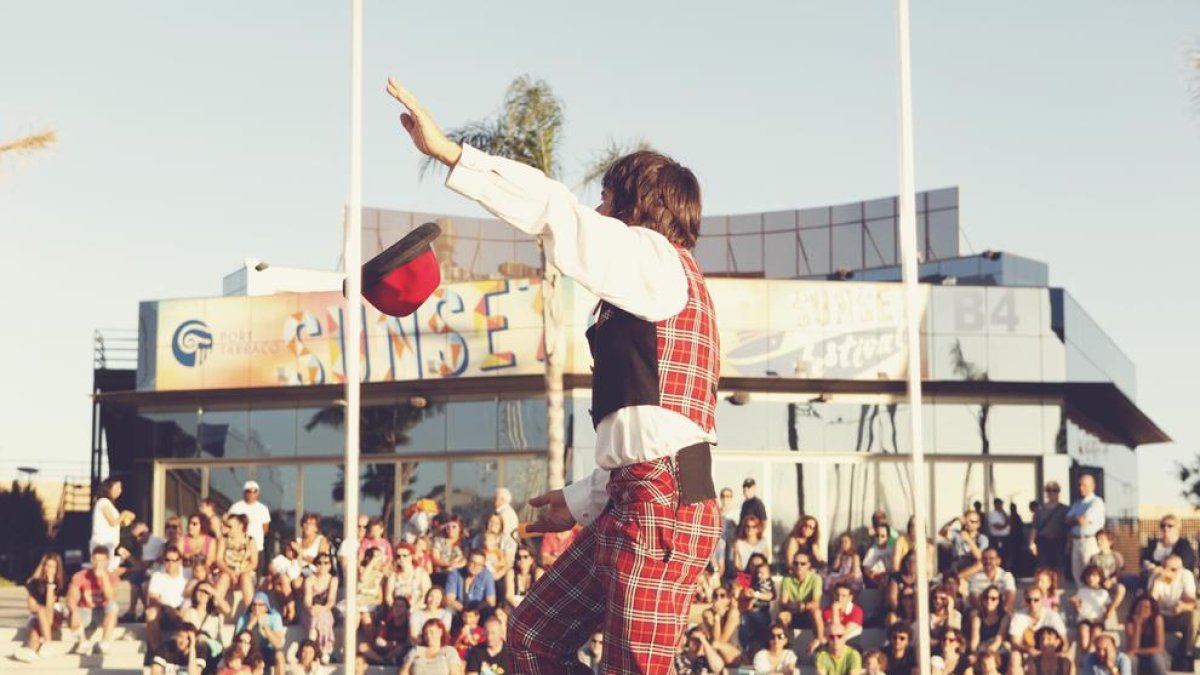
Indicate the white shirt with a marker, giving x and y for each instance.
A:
(1022, 621)
(633, 268)
(998, 523)
(1003, 581)
(762, 662)
(258, 514)
(153, 549)
(877, 559)
(508, 516)
(1093, 603)
(169, 589)
(1168, 595)
(102, 532)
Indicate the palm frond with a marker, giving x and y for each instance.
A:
(595, 169)
(29, 143)
(484, 135)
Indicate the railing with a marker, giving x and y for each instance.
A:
(114, 348)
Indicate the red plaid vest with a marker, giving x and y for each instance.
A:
(674, 363)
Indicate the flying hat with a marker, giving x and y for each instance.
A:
(402, 277)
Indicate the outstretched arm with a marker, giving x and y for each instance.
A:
(633, 268)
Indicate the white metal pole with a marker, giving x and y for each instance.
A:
(351, 329)
(912, 313)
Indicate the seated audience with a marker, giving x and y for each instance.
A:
(901, 655)
(992, 575)
(285, 581)
(308, 661)
(707, 584)
(407, 580)
(447, 552)
(1048, 581)
(877, 563)
(902, 583)
(951, 658)
(800, 596)
(92, 604)
(749, 541)
(776, 658)
(241, 655)
(1110, 562)
(177, 654)
(756, 609)
(967, 542)
(1173, 587)
(846, 567)
(376, 539)
(1169, 542)
(698, 656)
(525, 571)
(720, 623)
(471, 585)
(491, 657)
(434, 655)
(1027, 622)
(266, 625)
(206, 612)
(1105, 659)
(237, 558)
(842, 615)
(1146, 636)
(320, 598)
(1048, 658)
(875, 662)
(987, 662)
(470, 633)
(554, 544)
(311, 543)
(1093, 605)
(44, 588)
(197, 545)
(591, 652)
(372, 570)
(393, 639)
(434, 608)
(164, 598)
(805, 537)
(942, 615)
(838, 658)
(989, 624)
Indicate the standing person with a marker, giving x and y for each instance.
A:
(107, 520)
(257, 513)
(1085, 518)
(504, 507)
(751, 504)
(1048, 531)
(999, 528)
(649, 512)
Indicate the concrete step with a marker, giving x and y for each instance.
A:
(75, 661)
(63, 647)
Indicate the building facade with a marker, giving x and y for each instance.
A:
(1022, 386)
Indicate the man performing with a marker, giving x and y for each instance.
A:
(649, 513)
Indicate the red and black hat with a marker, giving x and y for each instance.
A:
(403, 276)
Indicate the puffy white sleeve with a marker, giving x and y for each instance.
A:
(634, 268)
(586, 498)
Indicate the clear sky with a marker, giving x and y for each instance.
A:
(193, 135)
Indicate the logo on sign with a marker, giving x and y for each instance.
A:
(191, 343)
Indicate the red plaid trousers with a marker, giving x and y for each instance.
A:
(631, 571)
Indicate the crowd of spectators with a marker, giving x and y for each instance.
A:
(436, 598)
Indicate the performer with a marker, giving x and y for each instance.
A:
(649, 513)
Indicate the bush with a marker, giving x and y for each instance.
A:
(25, 533)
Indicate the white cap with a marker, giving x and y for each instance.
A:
(250, 485)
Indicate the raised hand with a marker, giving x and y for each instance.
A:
(556, 518)
(425, 133)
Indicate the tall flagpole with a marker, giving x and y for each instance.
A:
(912, 312)
(351, 330)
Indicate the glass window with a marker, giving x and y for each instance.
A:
(168, 433)
(525, 477)
(742, 427)
(848, 213)
(428, 433)
(1018, 430)
(226, 433)
(710, 253)
(943, 234)
(319, 431)
(880, 208)
(956, 429)
(954, 357)
(750, 223)
(377, 492)
(277, 490)
(522, 423)
(182, 491)
(881, 243)
(847, 247)
(747, 253)
(273, 430)
(225, 485)
(955, 486)
(472, 490)
(422, 480)
(1014, 358)
(323, 495)
(780, 255)
(778, 221)
(814, 251)
(471, 425)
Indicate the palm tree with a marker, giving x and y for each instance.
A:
(528, 129)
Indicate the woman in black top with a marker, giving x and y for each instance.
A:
(989, 625)
(46, 590)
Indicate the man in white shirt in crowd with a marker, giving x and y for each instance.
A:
(998, 527)
(165, 597)
(655, 346)
(1085, 518)
(504, 507)
(991, 573)
(877, 563)
(1174, 588)
(1026, 622)
(257, 513)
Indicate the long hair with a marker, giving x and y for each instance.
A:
(435, 622)
(39, 572)
(651, 190)
(106, 487)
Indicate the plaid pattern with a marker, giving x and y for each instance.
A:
(689, 353)
(631, 571)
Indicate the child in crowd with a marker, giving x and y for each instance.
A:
(470, 633)
(1094, 607)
